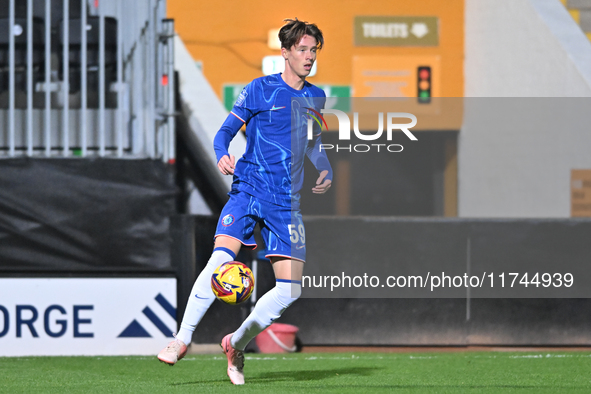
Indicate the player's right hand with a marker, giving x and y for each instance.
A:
(226, 165)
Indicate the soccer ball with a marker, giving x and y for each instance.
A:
(232, 282)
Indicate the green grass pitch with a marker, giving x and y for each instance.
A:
(457, 372)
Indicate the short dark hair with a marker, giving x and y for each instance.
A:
(292, 32)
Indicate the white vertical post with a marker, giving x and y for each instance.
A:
(171, 100)
(47, 78)
(83, 78)
(159, 88)
(101, 79)
(171, 106)
(11, 125)
(162, 90)
(139, 99)
(29, 78)
(151, 88)
(119, 122)
(66, 85)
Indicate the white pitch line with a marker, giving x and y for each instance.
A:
(362, 357)
(411, 357)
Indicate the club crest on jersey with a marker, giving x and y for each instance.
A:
(227, 220)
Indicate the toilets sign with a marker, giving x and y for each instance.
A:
(396, 31)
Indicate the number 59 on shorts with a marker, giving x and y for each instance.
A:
(297, 236)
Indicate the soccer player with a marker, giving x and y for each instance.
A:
(265, 191)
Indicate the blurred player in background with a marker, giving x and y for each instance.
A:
(265, 190)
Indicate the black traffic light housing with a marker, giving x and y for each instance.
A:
(424, 84)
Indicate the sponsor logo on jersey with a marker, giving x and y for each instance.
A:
(276, 108)
(241, 97)
(227, 220)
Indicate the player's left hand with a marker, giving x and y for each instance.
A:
(322, 185)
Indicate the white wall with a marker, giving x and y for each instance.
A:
(525, 48)
(513, 165)
(205, 115)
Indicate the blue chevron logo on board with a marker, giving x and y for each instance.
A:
(136, 330)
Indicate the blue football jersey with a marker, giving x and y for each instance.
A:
(277, 141)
